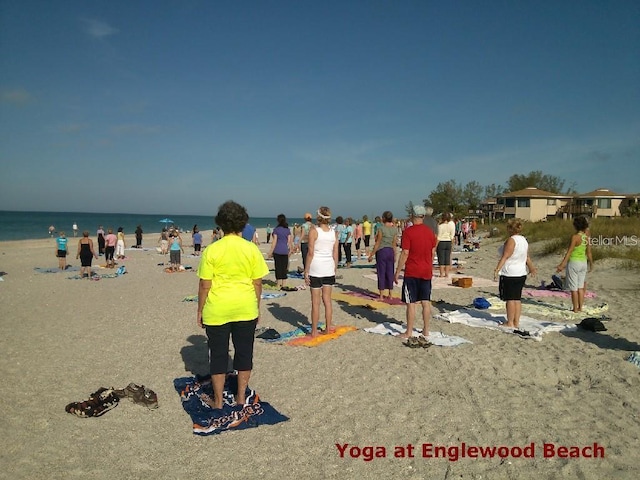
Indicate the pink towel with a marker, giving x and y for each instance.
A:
(533, 292)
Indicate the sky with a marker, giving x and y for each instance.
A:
(174, 107)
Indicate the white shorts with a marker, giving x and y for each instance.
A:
(576, 275)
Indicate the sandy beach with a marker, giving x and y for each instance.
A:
(360, 406)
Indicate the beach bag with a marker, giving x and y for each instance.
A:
(592, 324)
(121, 270)
(481, 303)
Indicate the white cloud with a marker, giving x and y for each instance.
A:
(97, 28)
(16, 96)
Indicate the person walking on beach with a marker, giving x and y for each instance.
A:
(75, 229)
(110, 247)
(320, 269)
(512, 269)
(269, 232)
(281, 248)
(61, 251)
(384, 250)
(100, 236)
(416, 259)
(86, 254)
(52, 231)
(578, 261)
(138, 233)
(342, 237)
(229, 290)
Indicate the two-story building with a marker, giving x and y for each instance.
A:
(530, 204)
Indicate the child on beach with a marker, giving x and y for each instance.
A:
(61, 251)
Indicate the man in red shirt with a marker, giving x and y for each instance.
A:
(418, 248)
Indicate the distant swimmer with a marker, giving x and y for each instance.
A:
(52, 231)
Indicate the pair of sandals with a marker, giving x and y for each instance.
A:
(99, 403)
(417, 342)
(139, 394)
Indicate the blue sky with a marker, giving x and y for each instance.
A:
(364, 106)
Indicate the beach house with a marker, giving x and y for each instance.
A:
(531, 204)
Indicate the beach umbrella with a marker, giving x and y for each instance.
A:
(166, 221)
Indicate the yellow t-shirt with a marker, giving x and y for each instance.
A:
(366, 228)
(231, 263)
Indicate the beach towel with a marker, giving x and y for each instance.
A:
(538, 307)
(264, 296)
(295, 333)
(325, 337)
(56, 270)
(533, 328)
(437, 338)
(351, 299)
(634, 358)
(196, 396)
(442, 282)
(544, 292)
(394, 300)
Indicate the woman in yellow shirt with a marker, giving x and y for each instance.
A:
(230, 273)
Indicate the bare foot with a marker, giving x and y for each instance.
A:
(404, 335)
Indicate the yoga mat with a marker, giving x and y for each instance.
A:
(360, 302)
(543, 292)
(538, 307)
(439, 283)
(322, 338)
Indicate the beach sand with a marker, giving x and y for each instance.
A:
(63, 339)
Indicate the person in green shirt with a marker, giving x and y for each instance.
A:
(577, 262)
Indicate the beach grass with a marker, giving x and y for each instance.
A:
(610, 237)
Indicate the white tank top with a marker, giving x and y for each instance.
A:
(516, 264)
(322, 264)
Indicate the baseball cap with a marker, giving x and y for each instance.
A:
(419, 211)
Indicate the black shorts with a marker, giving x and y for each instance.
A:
(196, 247)
(443, 250)
(243, 334)
(366, 240)
(416, 290)
(510, 288)
(61, 254)
(319, 282)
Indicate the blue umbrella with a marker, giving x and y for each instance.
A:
(166, 221)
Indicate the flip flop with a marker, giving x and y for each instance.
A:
(423, 342)
(412, 342)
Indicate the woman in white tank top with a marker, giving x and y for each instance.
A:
(512, 268)
(320, 269)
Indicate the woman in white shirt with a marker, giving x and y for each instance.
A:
(446, 234)
(513, 266)
(320, 269)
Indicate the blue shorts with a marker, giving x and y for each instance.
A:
(416, 290)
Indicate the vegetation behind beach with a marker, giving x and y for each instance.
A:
(610, 237)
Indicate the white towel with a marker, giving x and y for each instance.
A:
(484, 319)
(437, 338)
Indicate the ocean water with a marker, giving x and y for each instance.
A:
(34, 225)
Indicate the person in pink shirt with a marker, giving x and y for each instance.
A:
(358, 237)
(110, 242)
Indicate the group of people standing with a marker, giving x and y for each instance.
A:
(231, 272)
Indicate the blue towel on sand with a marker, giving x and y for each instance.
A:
(210, 421)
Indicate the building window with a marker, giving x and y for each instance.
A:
(524, 202)
(551, 201)
(604, 203)
(509, 202)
